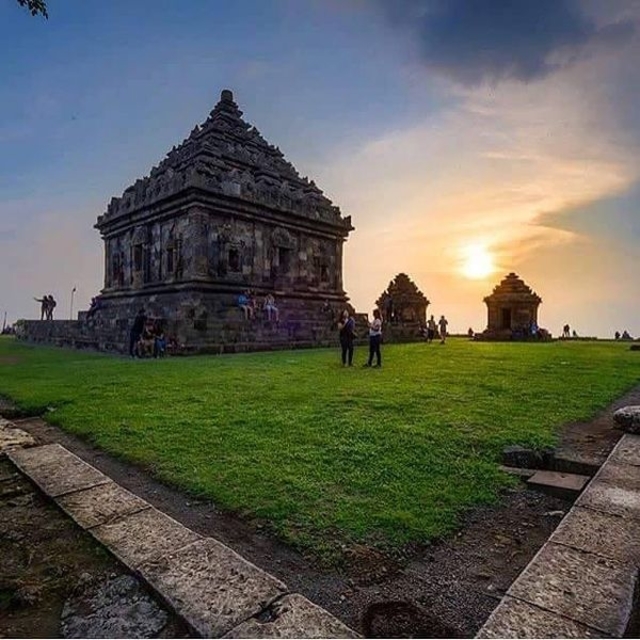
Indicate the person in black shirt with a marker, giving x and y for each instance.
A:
(347, 328)
(136, 331)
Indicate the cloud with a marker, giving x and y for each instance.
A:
(473, 41)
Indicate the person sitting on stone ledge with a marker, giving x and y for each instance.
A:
(94, 307)
(246, 304)
(160, 341)
(137, 328)
(270, 308)
(146, 342)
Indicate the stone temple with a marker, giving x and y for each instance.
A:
(512, 308)
(222, 213)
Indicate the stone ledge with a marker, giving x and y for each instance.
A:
(102, 504)
(514, 618)
(208, 585)
(143, 536)
(56, 470)
(582, 582)
(293, 616)
(213, 587)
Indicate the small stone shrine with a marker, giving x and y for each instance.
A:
(512, 310)
(404, 309)
(222, 213)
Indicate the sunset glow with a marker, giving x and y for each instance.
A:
(477, 262)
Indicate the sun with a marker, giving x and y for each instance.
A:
(477, 262)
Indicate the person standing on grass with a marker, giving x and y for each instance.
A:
(431, 329)
(375, 338)
(442, 324)
(135, 334)
(347, 327)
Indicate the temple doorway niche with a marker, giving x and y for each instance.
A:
(506, 318)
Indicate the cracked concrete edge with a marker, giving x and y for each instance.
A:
(533, 620)
(297, 618)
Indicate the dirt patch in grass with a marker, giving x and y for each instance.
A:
(10, 359)
(446, 589)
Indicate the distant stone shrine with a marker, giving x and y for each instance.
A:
(512, 310)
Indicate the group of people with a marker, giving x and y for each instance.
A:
(147, 338)
(434, 329)
(47, 305)
(347, 329)
(249, 305)
(625, 335)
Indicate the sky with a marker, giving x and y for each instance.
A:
(466, 138)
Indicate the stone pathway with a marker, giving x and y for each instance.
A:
(216, 591)
(581, 583)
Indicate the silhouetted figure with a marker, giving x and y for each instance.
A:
(574, 334)
(136, 331)
(94, 307)
(616, 335)
(470, 333)
(432, 327)
(442, 324)
(626, 336)
(347, 328)
(51, 305)
(44, 305)
(566, 331)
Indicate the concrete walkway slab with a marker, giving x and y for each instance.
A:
(611, 499)
(143, 536)
(55, 470)
(603, 534)
(591, 590)
(293, 616)
(517, 619)
(101, 504)
(627, 450)
(620, 474)
(213, 587)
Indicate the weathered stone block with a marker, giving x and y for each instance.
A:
(625, 476)
(211, 586)
(101, 504)
(603, 534)
(55, 470)
(11, 437)
(143, 536)
(294, 616)
(611, 499)
(589, 589)
(627, 450)
(628, 419)
(516, 619)
(562, 485)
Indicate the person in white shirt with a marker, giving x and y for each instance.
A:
(375, 338)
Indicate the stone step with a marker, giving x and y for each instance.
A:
(555, 483)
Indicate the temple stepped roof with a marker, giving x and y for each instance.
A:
(511, 287)
(226, 155)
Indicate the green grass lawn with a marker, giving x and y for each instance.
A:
(327, 455)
